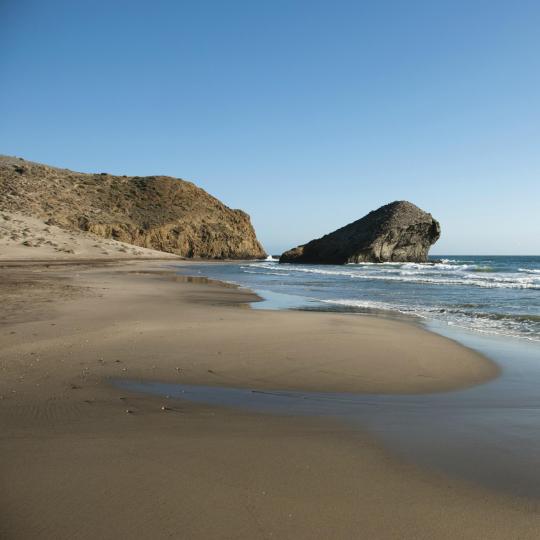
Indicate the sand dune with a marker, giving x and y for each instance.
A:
(25, 237)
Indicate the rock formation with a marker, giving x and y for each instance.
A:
(159, 212)
(399, 231)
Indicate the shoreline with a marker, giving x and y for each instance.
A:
(499, 300)
(412, 320)
(462, 336)
(255, 475)
(468, 367)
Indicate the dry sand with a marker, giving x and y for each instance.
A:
(74, 464)
(30, 238)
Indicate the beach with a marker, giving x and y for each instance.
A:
(82, 458)
(269, 270)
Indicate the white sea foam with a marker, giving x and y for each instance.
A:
(489, 280)
(529, 270)
(452, 291)
(266, 273)
(375, 305)
(487, 323)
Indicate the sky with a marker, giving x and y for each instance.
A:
(305, 114)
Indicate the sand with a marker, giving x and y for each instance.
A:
(75, 464)
(30, 238)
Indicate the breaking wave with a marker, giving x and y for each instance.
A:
(506, 324)
(429, 274)
(497, 295)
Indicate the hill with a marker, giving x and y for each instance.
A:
(156, 212)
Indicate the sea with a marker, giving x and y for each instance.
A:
(497, 295)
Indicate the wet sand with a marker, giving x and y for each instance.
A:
(487, 434)
(76, 464)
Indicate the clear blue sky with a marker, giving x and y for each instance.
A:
(305, 114)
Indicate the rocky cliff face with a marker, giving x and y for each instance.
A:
(399, 231)
(156, 212)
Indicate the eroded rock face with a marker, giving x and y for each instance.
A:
(157, 212)
(396, 232)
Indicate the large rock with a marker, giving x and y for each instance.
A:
(158, 212)
(399, 231)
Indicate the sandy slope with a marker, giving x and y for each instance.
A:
(24, 237)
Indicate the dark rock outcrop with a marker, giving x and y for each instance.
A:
(399, 231)
(158, 212)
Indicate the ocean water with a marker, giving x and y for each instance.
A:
(497, 295)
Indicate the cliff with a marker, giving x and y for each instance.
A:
(397, 232)
(158, 212)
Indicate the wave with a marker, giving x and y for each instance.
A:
(369, 304)
(529, 270)
(487, 269)
(476, 280)
(518, 317)
(386, 306)
(497, 295)
(266, 273)
(506, 324)
(393, 265)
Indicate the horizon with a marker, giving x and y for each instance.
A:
(306, 116)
